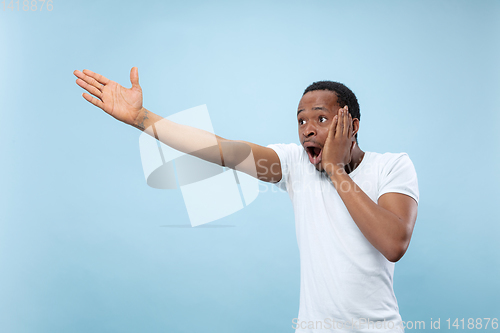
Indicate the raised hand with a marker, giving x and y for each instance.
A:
(124, 104)
(337, 151)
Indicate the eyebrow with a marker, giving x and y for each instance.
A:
(314, 108)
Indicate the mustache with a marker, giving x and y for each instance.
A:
(312, 141)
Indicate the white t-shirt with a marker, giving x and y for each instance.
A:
(343, 278)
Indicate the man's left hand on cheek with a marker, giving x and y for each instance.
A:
(339, 144)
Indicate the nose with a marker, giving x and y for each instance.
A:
(309, 131)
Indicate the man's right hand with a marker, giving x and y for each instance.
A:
(126, 105)
(121, 103)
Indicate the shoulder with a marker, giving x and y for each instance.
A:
(386, 161)
(289, 152)
(285, 147)
(389, 157)
(397, 174)
(293, 159)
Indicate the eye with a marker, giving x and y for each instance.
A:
(322, 119)
(301, 122)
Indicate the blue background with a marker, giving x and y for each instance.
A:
(84, 242)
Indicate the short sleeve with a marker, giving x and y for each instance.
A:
(288, 154)
(399, 176)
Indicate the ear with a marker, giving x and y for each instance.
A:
(355, 126)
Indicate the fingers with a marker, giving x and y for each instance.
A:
(340, 123)
(93, 100)
(90, 81)
(344, 126)
(348, 123)
(345, 122)
(98, 77)
(333, 126)
(91, 89)
(351, 128)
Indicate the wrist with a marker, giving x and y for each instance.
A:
(334, 169)
(139, 121)
(339, 178)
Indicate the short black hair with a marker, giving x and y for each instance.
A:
(345, 96)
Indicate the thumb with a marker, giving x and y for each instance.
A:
(134, 77)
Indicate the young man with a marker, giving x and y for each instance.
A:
(354, 210)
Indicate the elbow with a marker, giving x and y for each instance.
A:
(394, 257)
(396, 252)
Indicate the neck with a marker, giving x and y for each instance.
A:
(357, 157)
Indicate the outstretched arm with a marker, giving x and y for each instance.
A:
(125, 104)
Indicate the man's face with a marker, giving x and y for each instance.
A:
(315, 114)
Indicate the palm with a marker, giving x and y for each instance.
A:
(122, 103)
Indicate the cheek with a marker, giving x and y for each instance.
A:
(322, 135)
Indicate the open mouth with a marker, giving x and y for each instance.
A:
(314, 154)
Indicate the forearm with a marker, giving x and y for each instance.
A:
(186, 139)
(383, 229)
(257, 161)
